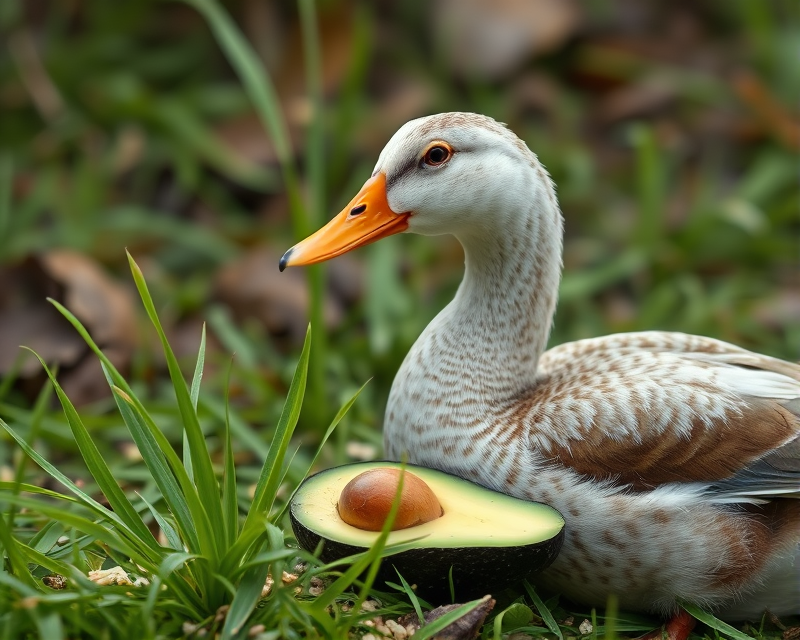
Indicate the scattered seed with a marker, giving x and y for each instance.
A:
(361, 451)
(286, 578)
(189, 628)
(267, 588)
(316, 586)
(106, 577)
(397, 631)
(55, 581)
(221, 613)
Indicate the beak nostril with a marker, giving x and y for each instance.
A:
(358, 210)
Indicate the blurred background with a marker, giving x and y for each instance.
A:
(670, 127)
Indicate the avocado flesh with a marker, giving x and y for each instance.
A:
(490, 539)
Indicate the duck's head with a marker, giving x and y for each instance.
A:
(458, 173)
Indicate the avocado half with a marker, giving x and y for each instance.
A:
(491, 540)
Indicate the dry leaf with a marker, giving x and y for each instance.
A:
(254, 288)
(465, 628)
(492, 38)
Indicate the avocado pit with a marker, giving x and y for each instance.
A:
(366, 500)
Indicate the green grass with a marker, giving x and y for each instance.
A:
(209, 557)
(664, 235)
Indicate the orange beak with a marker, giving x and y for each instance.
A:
(366, 219)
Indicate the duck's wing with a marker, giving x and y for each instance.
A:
(652, 408)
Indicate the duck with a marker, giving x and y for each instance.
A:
(674, 458)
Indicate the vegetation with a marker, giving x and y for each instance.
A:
(205, 146)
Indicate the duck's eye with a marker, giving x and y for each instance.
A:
(436, 155)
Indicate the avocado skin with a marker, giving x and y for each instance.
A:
(477, 571)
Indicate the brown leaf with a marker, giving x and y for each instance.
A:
(637, 99)
(42, 329)
(774, 116)
(492, 38)
(791, 633)
(335, 24)
(245, 136)
(254, 288)
(99, 302)
(465, 628)
(27, 318)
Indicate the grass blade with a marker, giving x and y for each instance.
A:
(411, 595)
(194, 394)
(205, 478)
(431, 629)
(371, 561)
(83, 497)
(173, 539)
(35, 423)
(137, 553)
(192, 518)
(259, 87)
(16, 559)
(190, 521)
(99, 469)
(252, 585)
(544, 612)
(230, 502)
(713, 622)
(268, 481)
(328, 432)
(262, 94)
(315, 172)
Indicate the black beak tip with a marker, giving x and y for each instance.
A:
(285, 259)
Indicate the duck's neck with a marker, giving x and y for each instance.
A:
(500, 318)
(481, 352)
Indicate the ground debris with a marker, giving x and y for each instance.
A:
(791, 633)
(116, 575)
(316, 586)
(465, 628)
(286, 578)
(55, 581)
(585, 628)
